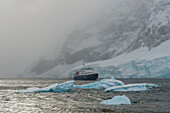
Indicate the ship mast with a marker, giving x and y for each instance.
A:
(83, 66)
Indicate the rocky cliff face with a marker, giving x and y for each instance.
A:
(128, 26)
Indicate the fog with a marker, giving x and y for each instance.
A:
(30, 29)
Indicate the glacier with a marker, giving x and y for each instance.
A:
(117, 100)
(131, 87)
(140, 63)
(102, 84)
(63, 87)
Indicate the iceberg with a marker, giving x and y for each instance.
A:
(102, 84)
(117, 100)
(131, 87)
(150, 85)
(63, 87)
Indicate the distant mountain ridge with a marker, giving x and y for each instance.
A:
(145, 23)
(130, 25)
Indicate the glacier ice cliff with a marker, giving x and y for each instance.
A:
(156, 68)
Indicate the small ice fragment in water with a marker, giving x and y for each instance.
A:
(63, 87)
(117, 100)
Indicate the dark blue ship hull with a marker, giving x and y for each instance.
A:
(86, 77)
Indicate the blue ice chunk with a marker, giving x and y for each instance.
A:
(63, 87)
(131, 87)
(117, 100)
(102, 84)
(150, 85)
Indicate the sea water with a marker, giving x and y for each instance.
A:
(80, 100)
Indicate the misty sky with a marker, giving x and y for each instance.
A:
(30, 29)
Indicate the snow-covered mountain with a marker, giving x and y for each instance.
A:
(119, 33)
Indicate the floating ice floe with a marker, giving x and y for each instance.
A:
(102, 84)
(117, 100)
(150, 84)
(131, 87)
(63, 87)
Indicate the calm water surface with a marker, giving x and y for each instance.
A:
(79, 100)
